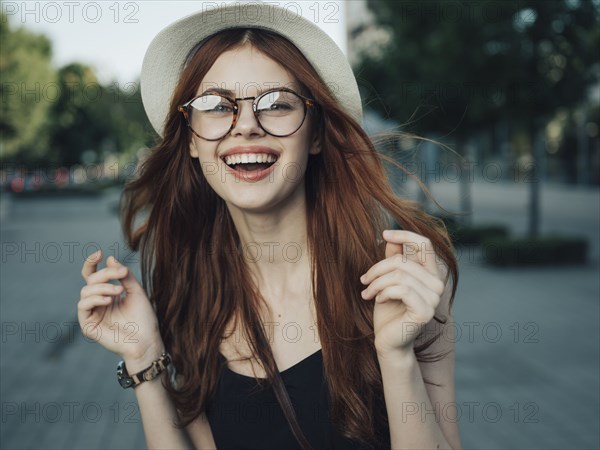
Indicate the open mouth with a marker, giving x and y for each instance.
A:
(250, 163)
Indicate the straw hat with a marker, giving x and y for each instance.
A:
(165, 58)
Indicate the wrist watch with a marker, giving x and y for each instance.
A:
(149, 373)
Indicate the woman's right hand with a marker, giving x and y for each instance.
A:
(119, 317)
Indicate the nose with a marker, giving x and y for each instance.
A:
(246, 123)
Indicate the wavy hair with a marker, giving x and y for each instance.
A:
(349, 202)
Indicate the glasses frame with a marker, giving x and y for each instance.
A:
(306, 103)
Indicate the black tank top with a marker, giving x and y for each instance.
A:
(242, 416)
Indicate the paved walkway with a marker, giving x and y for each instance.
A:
(527, 354)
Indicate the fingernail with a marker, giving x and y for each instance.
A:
(362, 279)
(122, 270)
(387, 233)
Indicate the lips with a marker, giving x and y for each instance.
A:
(249, 149)
(250, 163)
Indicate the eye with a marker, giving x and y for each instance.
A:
(280, 106)
(278, 100)
(212, 104)
(221, 108)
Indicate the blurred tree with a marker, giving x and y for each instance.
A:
(27, 89)
(73, 125)
(459, 67)
(454, 67)
(62, 117)
(128, 121)
(90, 121)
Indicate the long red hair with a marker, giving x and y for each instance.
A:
(196, 290)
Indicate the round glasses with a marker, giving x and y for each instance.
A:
(279, 112)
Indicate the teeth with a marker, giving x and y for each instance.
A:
(250, 158)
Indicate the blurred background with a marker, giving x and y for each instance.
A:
(498, 103)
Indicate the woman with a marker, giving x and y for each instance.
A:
(269, 286)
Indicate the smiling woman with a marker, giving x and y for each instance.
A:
(270, 124)
(261, 146)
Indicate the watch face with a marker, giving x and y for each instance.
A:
(124, 381)
(149, 374)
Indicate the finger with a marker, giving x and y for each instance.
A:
(416, 246)
(101, 289)
(129, 282)
(90, 264)
(411, 298)
(107, 274)
(86, 305)
(392, 248)
(399, 277)
(400, 262)
(91, 329)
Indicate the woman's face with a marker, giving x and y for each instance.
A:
(246, 73)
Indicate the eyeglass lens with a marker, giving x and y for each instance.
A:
(279, 113)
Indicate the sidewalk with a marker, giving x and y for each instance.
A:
(527, 364)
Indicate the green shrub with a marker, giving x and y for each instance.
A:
(547, 250)
(472, 235)
(475, 235)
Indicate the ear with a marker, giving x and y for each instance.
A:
(315, 146)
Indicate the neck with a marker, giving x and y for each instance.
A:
(274, 246)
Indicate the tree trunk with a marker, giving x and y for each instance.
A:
(583, 150)
(427, 164)
(535, 176)
(466, 175)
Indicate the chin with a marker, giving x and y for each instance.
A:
(251, 207)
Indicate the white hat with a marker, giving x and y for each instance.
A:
(168, 51)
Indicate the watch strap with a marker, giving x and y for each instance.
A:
(149, 373)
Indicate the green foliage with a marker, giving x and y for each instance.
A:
(25, 71)
(61, 117)
(90, 117)
(459, 66)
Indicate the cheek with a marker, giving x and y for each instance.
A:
(204, 153)
(295, 168)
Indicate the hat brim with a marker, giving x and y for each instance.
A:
(166, 56)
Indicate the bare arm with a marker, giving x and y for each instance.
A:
(420, 414)
(104, 305)
(159, 414)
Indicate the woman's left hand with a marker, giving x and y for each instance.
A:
(407, 287)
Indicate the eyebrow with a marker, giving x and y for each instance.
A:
(229, 93)
(226, 92)
(216, 90)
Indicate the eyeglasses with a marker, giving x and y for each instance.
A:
(279, 112)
